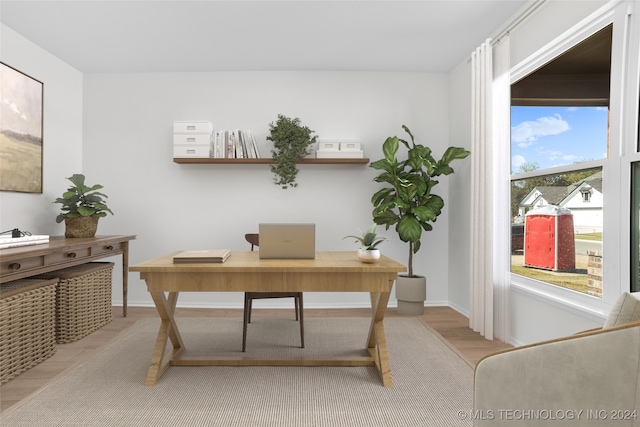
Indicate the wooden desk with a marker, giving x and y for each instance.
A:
(60, 252)
(245, 271)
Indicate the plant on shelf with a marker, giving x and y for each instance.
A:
(407, 200)
(82, 206)
(369, 241)
(291, 142)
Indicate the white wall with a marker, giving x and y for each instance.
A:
(460, 195)
(62, 128)
(548, 22)
(127, 148)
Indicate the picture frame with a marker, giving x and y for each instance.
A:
(21, 131)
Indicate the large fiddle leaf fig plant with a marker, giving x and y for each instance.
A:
(407, 200)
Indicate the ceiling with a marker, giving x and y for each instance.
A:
(116, 36)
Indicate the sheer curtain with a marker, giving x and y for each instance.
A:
(490, 191)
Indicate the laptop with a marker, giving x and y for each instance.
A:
(287, 241)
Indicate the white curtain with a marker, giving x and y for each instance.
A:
(490, 148)
(481, 310)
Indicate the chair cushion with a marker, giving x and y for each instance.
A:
(625, 310)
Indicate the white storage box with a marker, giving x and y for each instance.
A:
(336, 154)
(191, 151)
(192, 127)
(349, 146)
(192, 139)
(328, 145)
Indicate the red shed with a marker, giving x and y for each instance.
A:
(549, 242)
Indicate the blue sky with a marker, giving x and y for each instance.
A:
(556, 136)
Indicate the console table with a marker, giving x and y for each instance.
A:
(61, 252)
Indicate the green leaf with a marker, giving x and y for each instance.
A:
(77, 179)
(390, 148)
(452, 153)
(381, 195)
(406, 129)
(385, 218)
(409, 229)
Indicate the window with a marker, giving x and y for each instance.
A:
(559, 143)
(586, 193)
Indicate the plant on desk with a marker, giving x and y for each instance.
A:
(82, 206)
(369, 241)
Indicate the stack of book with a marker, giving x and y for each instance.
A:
(235, 144)
(192, 139)
(339, 149)
(206, 256)
(14, 242)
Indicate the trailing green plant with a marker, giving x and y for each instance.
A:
(368, 239)
(291, 142)
(82, 200)
(408, 202)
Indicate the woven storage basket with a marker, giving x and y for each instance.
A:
(27, 325)
(83, 299)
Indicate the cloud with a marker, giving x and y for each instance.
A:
(14, 108)
(571, 158)
(517, 161)
(526, 133)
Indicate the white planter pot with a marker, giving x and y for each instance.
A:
(369, 256)
(411, 292)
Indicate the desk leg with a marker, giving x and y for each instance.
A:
(125, 277)
(377, 341)
(168, 330)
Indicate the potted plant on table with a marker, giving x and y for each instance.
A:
(82, 207)
(407, 201)
(369, 240)
(291, 142)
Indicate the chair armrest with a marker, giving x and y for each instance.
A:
(590, 371)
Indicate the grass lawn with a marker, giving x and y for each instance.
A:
(590, 236)
(577, 282)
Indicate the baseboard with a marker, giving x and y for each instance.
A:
(285, 305)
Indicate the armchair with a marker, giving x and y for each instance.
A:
(591, 378)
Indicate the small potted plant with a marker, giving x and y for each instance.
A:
(82, 206)
(369, 241)
(291, 142)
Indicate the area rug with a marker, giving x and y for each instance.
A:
(432, 383)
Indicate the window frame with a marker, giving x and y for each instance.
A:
(616, 168)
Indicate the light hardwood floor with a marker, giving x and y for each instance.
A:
(450, 324)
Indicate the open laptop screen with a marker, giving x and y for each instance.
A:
(287, 241)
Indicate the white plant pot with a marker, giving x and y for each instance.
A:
(369, 256)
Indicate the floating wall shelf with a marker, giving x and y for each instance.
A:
(200, 160)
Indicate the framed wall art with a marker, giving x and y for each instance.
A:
(21, 105)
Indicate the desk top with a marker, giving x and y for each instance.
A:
(246, 272)
(244, 261)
